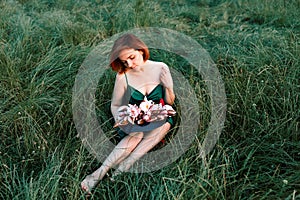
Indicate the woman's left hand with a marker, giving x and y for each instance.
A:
(166, 78)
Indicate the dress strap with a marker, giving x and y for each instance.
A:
(126, 78)
(128, 91)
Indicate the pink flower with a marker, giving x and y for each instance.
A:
(147, 116)
(169, 110)
(133, 110)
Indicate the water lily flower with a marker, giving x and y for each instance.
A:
(146, 105)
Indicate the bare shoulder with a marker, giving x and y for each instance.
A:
(120, 79)
(159, 65)
(120, 76)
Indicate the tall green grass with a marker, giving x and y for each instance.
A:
(255, 45)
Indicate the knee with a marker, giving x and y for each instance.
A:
(137, 135)
(167, 126)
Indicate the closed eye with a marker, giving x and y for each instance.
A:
(132, 57)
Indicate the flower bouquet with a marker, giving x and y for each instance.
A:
(145, 113)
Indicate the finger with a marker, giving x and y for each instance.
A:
(165, 69)
(122, 108)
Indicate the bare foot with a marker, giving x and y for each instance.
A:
(88, 184)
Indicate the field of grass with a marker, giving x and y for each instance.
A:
(255, 45)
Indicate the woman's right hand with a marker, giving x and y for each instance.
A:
(121, 113)
(121, 117)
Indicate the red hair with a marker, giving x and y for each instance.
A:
(127, 41)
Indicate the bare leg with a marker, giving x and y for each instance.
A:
(120, 152)
(150, 140)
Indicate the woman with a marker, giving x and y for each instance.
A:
(137, 77)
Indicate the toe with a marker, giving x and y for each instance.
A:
(84, 187)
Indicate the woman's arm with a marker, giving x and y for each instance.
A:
(167, 81)
(118, 94)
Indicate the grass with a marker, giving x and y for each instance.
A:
(255, 45)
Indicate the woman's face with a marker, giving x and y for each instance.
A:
(131, 58)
